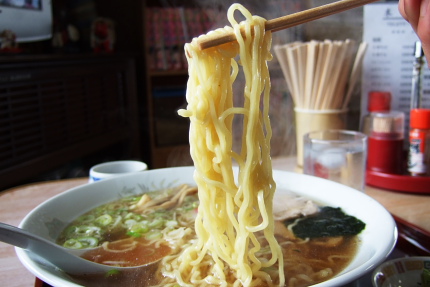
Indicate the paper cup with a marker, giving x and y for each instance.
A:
(115, 168)
(316, 120)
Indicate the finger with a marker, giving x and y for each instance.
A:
(410, 10)
(402, 9)
(423, 28)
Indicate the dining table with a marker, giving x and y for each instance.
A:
(410, 210)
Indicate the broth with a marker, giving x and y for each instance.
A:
(315, 251)
(137, 251)
(306, 261)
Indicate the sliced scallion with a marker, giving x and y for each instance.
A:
(112, 272)
(72, 244)
(104, 220)
(86, 218)
(88, 242)
(153, 235)
(133, 216)
(156, 223)
(82, 242)
(130, 222)
(134, 234)
(88, 230)
(171, 223)
(139, 227)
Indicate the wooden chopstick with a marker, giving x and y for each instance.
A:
(215, 39)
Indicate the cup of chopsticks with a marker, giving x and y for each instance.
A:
(321, 76)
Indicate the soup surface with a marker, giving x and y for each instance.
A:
(128, 252)
(142, 229)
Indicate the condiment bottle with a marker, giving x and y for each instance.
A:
(419, 142)
(385, 142)
(378, 101)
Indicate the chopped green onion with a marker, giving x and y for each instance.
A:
(134, 216)
(130, 222)
(425, 278)
(72, 244)
(134, 234)
(171, 223)
(70, 230)
(112, 272)
(86, 218)
(153, 235)
(88, 230)
(88, 242)
(139, 227)
(104, 220)
(80, 243)
(156, 223)
(134, 198)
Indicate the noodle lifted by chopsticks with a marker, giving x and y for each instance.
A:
(227, 252)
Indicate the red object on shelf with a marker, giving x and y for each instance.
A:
(385, 154)
(419, 140)
(398, 182)
(420, 119)
(379, 101)
(385, 142)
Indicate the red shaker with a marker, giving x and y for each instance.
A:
(378, 101)
(386, 142)
(419, 142)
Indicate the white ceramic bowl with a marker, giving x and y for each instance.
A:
(401, 272)
(49, 218)
(116, 168)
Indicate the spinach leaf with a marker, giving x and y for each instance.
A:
(329, 222)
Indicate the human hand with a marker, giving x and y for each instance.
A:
(417, 13)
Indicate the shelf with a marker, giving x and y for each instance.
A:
(167, 73)
(167, 29)
(62, 109)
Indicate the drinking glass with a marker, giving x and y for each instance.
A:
(337, 155)
(316, 120)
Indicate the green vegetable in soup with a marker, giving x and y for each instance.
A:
(118, 220)
(329, 222)
(112, 272)
(81, 242)
(425, 277)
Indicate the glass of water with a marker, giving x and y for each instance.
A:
(338, 155)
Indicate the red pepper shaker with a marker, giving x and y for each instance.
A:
(385, 142)
(378, 101)
(419, 142)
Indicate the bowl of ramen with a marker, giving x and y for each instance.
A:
(158, 210)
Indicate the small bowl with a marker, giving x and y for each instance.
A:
(116, 168)
(401, 272)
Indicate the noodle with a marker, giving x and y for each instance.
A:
(230, 214)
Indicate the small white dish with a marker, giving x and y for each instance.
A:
(48, 219)
(401, 272)
(116, 168)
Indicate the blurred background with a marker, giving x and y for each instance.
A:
(105, 82)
